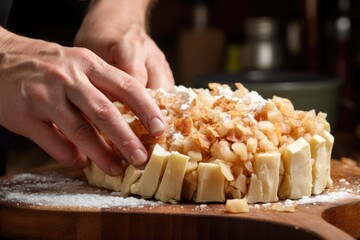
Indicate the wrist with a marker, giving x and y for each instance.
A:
(4, 36)
(119, 13)
(10, 41)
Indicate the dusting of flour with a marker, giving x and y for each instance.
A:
(54, 190)
(77, 200)
(341, 191)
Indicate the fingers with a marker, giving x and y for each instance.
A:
(129, 91)
(150, 69)
(139, 56)
(130, 58)
(106, 116)
(159, 72)
(79, 131)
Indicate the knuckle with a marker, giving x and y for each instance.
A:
(138, 70)
(127, 143)
(82, 52)
(105, 112)
(34, 91)
(159, 56)
(83, 132)
(127, 84)
(86, 58)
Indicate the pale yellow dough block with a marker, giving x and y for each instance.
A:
(211, 182)
(113, 182)
(132, 174)
(237, 205)
(149, 181)
(298, 169)
(329, 145)
(319, 154)
(94, 174)
(171, 182)
(266, 167)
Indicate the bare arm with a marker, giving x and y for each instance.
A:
(55, 95)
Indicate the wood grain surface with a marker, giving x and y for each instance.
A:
(339, 219)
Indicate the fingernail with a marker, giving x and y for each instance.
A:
(156, 126)
(115, 169)
(139, 157)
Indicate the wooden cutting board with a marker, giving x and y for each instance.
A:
(57, 203)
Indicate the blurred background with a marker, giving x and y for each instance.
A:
(305, 50)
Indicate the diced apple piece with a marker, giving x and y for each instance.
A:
(329, 145)
(236, 193)
(194, 156)
(255, 193)
(171, 182)
(266, 168)
(240, 183)
(225, 168)
(319, 154)
(297, 163)
(287, 206)
(211, 183)
(94, 174)
(132, 174)
(191, 166)
(149, 181)
(237, 205)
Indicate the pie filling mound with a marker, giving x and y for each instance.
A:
(222, 144)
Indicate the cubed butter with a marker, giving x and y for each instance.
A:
(132, 174)
(113, 182)
(298, 167)
(255, 193)
(171, 183)
(329, 145)
(94, 174)
(266, 167)
(149, 180)
(319, 154)
(211, 183)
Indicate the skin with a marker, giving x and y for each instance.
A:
(121, 40)
(56, 95)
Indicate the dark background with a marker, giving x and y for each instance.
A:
(58, 20)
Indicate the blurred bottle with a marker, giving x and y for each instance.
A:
(262, 48)
(293, 45)
(232, 58)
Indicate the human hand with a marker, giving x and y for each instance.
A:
(55, 96)
(124, 44)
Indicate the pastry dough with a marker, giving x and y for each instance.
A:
(222, 144)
